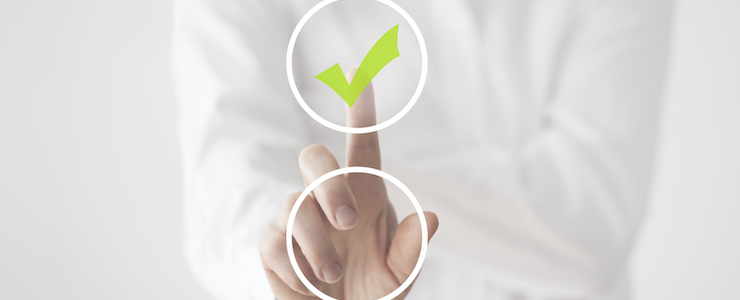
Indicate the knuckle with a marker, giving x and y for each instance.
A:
(289, 201)
(271, 244)
(368, 142)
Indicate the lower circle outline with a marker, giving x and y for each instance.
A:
(365, 170)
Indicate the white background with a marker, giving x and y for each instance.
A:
(90, 189)
(690, 246)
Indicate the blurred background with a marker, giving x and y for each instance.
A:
(90, 183)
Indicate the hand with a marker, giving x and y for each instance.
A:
(347, 240)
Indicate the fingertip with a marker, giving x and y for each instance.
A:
(412, 225)
(332, 272)
(311, 153)
(346, 217)
(351, 74)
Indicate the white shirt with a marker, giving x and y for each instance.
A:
(533, 139)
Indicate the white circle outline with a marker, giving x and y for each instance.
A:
(366, 170)
(356, 130)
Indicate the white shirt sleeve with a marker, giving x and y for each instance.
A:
(231, 86)
(586, 176)
(556, 210)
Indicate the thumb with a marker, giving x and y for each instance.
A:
(406, 245)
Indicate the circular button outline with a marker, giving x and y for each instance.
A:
(366, 170)
(356, 130)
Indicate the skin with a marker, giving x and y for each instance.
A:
(346, 237)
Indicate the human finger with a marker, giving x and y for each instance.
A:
(316, 245)
(362, 149)
(406, 244)
(274, 255)
(334, 196)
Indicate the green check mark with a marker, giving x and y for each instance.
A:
(383, 52)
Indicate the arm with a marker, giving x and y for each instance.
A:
(238, 162)
(558, 210)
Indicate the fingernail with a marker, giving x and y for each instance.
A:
(332, 272)
(346, 217)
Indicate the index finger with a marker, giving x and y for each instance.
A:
(362, 149)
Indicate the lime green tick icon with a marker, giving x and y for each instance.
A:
(384, 51)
